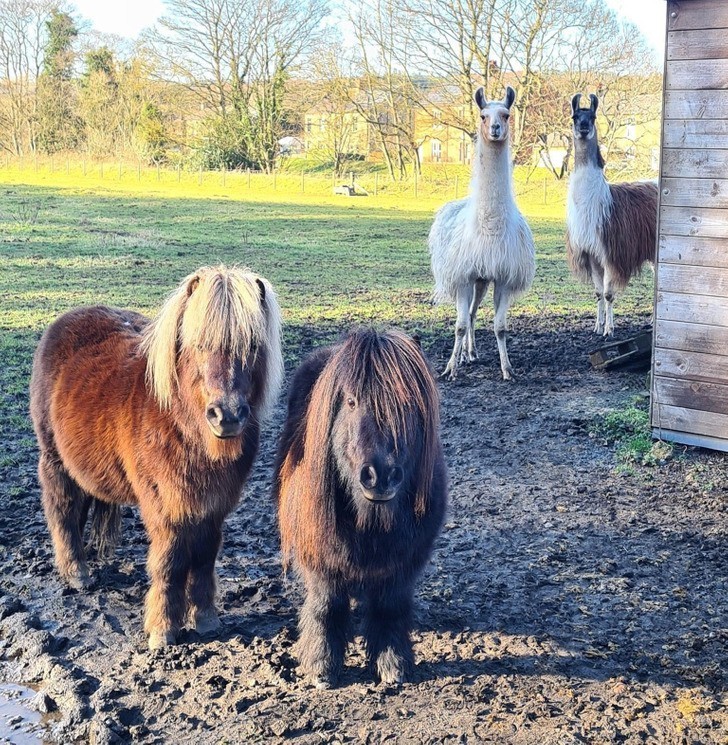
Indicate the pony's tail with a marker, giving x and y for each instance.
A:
(105, 528)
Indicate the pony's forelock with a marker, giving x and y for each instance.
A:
(216, 308)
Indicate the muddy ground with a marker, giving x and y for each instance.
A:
(566, 601)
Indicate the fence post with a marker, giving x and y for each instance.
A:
(333, 179)
(274, 179)
(224, 175)
(248, 178)
(84, 166)
(119, 169)
(415, 172)
(199, 180)
(545, 194)
(139, 170)
(179, 172)
(376, 183)
(303, 186)
(457, 185)
(158, 175)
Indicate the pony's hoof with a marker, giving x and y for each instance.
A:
(161, 639)
(79, 579)
(391, 669)
(207, 622)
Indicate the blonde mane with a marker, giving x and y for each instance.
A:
(216, 308)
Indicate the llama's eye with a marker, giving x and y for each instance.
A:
(506, 116)
(351, 403)
(482, 117)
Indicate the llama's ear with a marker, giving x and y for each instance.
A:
(261, 289)
(575, 104)
(480, 98)
(192, 285)
(594, 103)
(510, 97)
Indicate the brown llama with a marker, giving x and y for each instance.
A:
(361, 491)
(611, 228)
(164, 414)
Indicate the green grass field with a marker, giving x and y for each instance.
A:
(69, 240)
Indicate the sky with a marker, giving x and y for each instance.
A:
(130, 17)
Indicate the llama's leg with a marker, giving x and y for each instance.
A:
(323, 629)
(204, 545)
(597, 275)
(168, 567)
(462, 303)
(65, 507)
(608, 303)
(387, 624)
(479, 289)
(502, 299)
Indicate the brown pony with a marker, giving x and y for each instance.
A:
(361, 491)
(164, 414)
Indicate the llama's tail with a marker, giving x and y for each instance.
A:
(105, 528)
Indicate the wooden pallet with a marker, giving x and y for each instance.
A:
(629, 354)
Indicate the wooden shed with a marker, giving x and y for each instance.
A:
(689, 402)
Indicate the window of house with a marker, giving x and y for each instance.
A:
(436, 150)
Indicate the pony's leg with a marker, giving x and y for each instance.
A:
(481, 285)
(462, 304)
(502, 298)
(323, 629)
(168, 567)
(597, 275)
(65, 505)
(387, 622)
(204, 546)
(608, 303)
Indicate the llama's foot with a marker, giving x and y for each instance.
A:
(508, 373)
(451, 371)
(206, 622)
(159, 638)
(599, 327)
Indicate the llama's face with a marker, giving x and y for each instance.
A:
(495, 115)
(585, 122)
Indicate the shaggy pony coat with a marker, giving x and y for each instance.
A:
(118, 404)
(342, 544)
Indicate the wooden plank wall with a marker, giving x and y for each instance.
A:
(690, 370)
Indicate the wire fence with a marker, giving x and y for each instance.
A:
(441, 182)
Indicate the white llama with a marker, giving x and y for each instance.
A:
(482, 239)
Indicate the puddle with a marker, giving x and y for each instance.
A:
(19, 724)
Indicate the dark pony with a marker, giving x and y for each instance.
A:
(361, 491)
(163, 414)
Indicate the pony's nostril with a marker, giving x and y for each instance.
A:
(368, 476)
(243, 412)
(214, 414)
(395, 477)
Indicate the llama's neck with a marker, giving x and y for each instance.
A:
(587, 153)
(491, 186)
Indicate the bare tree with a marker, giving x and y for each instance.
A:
(236, 55)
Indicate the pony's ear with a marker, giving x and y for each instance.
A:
(594, 103)
(480, 98)
(192, 285)
(575, 103)
(261, 289)
(510, 97)
(417, 340)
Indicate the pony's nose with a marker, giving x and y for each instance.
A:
(243, 412)
(396, 474)
(215, 415)
(368, 476)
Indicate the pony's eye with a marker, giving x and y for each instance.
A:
(351, 403)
